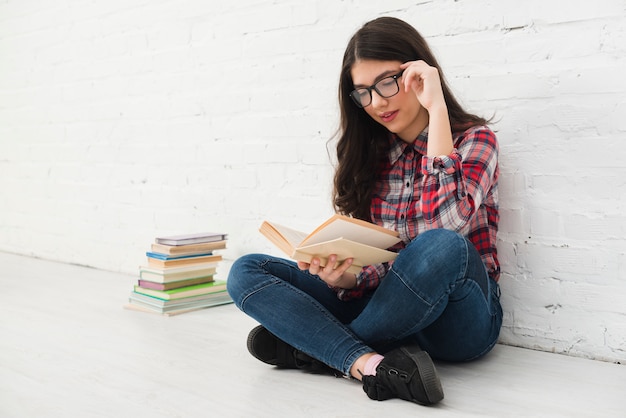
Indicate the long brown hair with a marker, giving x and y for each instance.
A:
(361, 141)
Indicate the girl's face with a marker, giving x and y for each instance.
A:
(401, 113)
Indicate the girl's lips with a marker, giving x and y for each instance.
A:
(388, 116)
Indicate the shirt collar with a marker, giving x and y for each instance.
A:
(398, 146)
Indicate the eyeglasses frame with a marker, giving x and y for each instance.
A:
(373, 87)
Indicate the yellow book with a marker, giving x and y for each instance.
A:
(186, 261)
(346, 237)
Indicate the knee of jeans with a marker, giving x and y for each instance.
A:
(243, 275)
(440, 236)
(437, 246)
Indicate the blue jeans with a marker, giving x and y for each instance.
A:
(436, 294)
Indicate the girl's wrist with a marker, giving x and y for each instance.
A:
(348, 281)
(438, 111)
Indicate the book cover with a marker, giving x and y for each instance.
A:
(187, 239)
(189, 249)
(166, 307)
(160, 256)
(186, 261)
(183, 292)
(201, 300)
(193, 300)
(174, 274)
(146, 284)
(346, 237)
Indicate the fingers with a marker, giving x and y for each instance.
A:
(314, 267)
(424, 81)
(412, 78)
(303, 266)
(333, 270)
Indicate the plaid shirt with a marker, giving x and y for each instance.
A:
(416, 193)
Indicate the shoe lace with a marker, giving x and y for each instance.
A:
(386, 384)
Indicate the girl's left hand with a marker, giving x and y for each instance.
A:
(425, 82)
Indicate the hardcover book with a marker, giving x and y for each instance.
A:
(184, 261)
(139, 301)
(174, 274)
(187, 239)
(184, 292)
(146, 284)
(160, 256)
(189, 249)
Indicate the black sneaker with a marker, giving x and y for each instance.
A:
(268, 348)
(407, 373)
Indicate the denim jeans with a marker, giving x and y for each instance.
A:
(436, 294)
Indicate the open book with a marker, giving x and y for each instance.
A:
(346, 237)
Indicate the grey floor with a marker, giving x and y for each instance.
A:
(69, 349)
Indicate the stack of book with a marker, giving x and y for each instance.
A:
(180, 275)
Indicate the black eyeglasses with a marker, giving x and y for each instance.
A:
(386, 88)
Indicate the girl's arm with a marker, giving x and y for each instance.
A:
(425, 82)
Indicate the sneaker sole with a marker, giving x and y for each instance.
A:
(428, 375)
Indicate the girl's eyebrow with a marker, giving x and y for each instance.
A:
(378, 78)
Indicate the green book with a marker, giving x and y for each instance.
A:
(184, 292)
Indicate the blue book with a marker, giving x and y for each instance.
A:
(160, 256)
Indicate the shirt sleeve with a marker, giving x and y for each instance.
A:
(367, 280)
(456, 184)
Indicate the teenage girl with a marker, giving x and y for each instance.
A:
(411, 159)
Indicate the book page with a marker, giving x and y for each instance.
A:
(363, 254)
(353, 230)
(291, 235)
(285, 238)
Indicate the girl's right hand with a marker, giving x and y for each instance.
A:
(333, 274)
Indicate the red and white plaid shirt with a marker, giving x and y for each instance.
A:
(416, 193)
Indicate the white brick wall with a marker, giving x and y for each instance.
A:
(121, 120)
